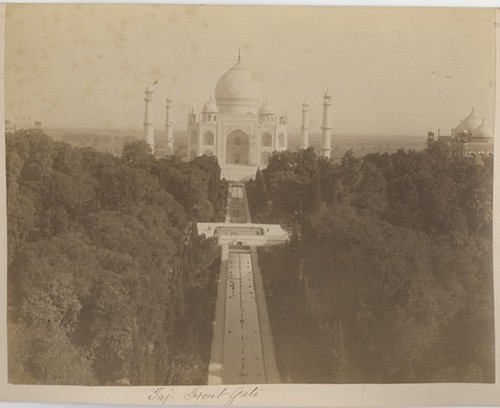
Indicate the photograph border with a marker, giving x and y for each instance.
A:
(315, 395)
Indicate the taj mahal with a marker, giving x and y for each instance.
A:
(240, 127)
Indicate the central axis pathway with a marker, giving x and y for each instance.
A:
(242, 348)
(242, 355)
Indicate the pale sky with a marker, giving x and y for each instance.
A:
(391, 70)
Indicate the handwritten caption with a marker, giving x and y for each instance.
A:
(227, 396)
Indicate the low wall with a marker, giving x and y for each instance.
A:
(238, 173)
(252, 240)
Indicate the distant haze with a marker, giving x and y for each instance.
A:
(391, 70)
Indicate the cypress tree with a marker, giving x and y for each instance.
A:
(313, 199)
(260, 191)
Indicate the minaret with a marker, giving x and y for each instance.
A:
(430, 137)
(149, 131)
(305, 125)
(169, 127)
(326, 128)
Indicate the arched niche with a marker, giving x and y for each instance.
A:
(208, 138)
(267, 140)
(281, 140)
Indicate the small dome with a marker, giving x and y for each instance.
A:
(210, 107)
(267, 109)
(482, 132)
(471, 122)
(328, 93)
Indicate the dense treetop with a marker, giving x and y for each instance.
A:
(108, 280)
(390, 258)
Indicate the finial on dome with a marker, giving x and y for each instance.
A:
(239, 54)
(472, 109)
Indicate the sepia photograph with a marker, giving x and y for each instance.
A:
(251, 196)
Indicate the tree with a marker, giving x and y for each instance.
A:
(395, 269)
(260, 192)
(14, 165)
(64, 199)
(307, 163)
(97, 289)
(312, 201)
(480, 208)
(46, 356)
(340, 358)
(38, 164)
(370, 193)
(209, 166)
(137, 154)
(332, 191)
(67, 160)
(21, 210)
(402, 197)
(113, 329)
(350, 171)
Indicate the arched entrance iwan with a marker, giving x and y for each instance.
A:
(237, 147)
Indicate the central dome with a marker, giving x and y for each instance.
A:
(238, 91)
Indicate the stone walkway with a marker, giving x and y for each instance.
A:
(242, 347)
